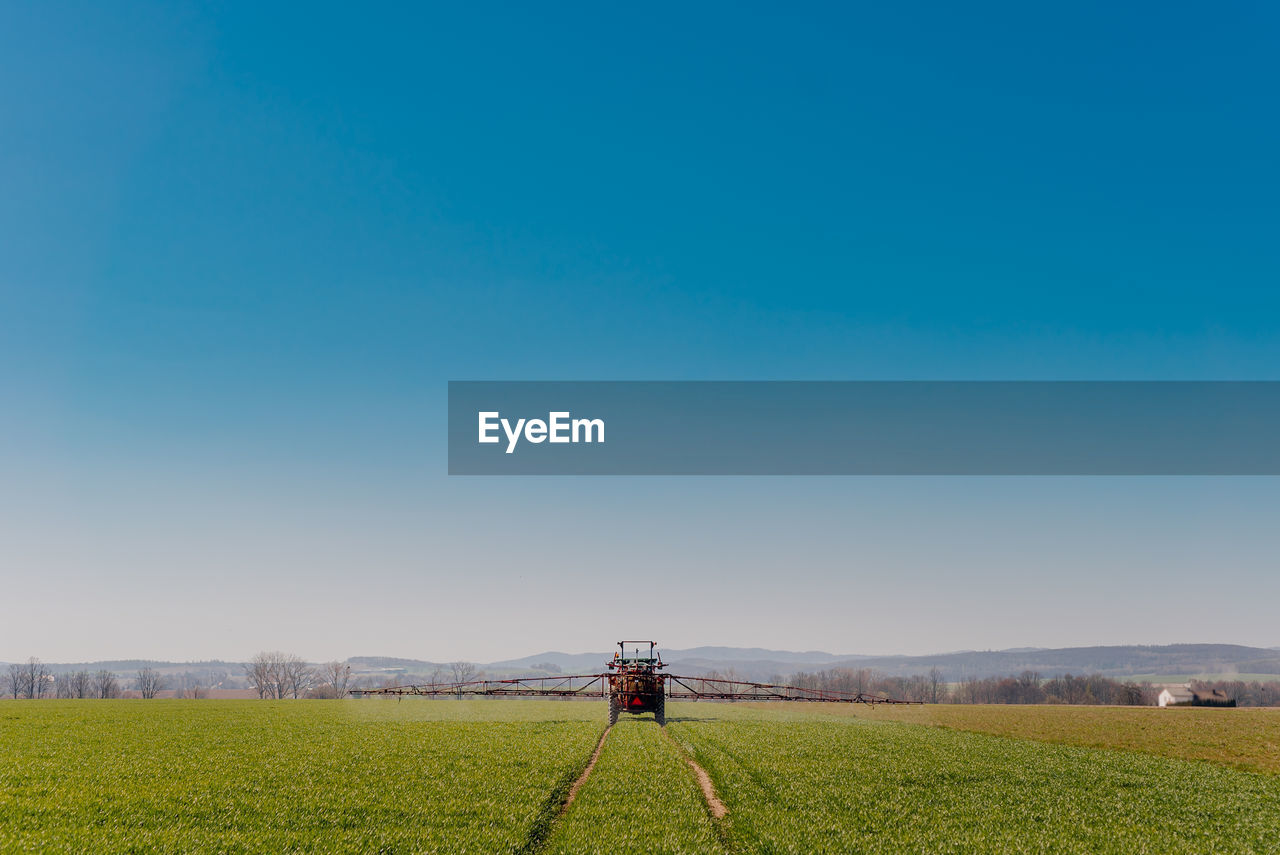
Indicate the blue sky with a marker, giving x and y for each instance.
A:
(246, 247)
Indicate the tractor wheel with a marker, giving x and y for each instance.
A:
(614, 708)
(660, 711)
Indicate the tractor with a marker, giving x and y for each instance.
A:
(636, 683)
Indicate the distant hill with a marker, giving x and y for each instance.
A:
(754, 663)
(1115, 661)
(391, 663)
(130, 666)
(1112, 661)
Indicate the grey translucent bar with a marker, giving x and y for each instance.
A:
(864, 428)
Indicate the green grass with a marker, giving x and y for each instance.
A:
(1245, 738)
(490, 776)
(258, 776)
(641, 797)
(803, 782)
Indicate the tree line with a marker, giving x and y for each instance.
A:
(271, 675)
(1028, 687)
(1255, 693)
(279, 675)
(32, 679)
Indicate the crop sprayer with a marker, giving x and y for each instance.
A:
(634, 684)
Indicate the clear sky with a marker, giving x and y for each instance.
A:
(242, 249)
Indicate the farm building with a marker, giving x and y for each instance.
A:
(1185, 696)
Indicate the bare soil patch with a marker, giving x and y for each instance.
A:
(718, 810)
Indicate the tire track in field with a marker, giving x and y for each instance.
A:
(558, 802)
(715, 806)
(582, 779)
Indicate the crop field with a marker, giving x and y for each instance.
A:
(262, 776)
(798, 782)
(1242, 738)
(640, 797)
(493, 776)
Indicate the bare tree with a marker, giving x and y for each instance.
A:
(188, 686)
(334, 679)
(43, 678)
(150, 682)
(862, 680)
(463, 671)
(81, 684)
(105, 685)
(279, 675)
(30, 679)
(263, 671)
(935, 680)
(297, 676)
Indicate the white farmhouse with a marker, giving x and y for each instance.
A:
(1177, 696)
(1172, 696)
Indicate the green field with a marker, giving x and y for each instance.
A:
(263, 776)
(640, 797)
(797, 782)
(1247, 738)
(492, 776)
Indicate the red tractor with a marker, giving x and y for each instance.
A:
(636, 683)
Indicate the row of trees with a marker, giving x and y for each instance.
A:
(273, 675)
(32, 679)
(1254, 694)
(280, 675)
(277, 675)
(1029, 687)
(283, 675)
(270, 674)
(28, 680)
(928, 687)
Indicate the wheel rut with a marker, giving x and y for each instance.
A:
(717, 808)
(714, 805)
(558, 803)
(586, 773)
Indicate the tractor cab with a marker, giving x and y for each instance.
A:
(622, 660)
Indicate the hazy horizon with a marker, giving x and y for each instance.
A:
(605, 649)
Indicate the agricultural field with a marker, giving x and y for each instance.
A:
(798, 781)
(264, 776)
(1247, 738)
(640, 797)
(497, 775)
